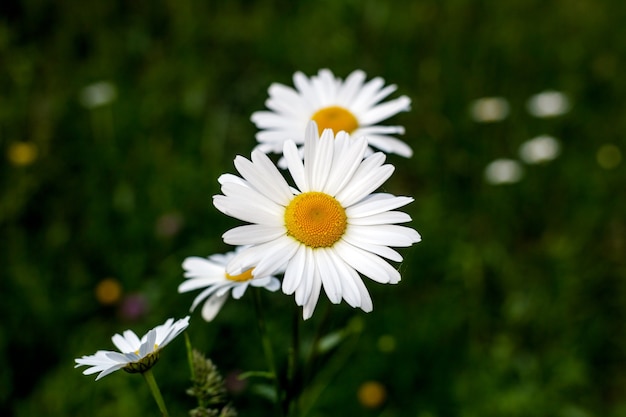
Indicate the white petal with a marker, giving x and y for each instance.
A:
(366, 300)
(294, 164)
(368, 264)
(303, 85)
(380, 250)
(239, 290)
(385, 234)
(247, 205)
(253, 234)
(368, 95)
(347, 275)
(272, 285)
(366, 179)
(375, 204)
(148, 345)
(389, 217)
(368, 131)
(209, 291)
(284, 100)
(110, 370)
(303, 292)
(346, 161)
(350, 88)
(263, 175)
(266, 258)
(329, 275)
(386, 110)
(294, 274)
(196, 266)
(320, 166)
(311, 302)
(212, 306)
(270, 120)
(277, 253)
(173, 331)
(390, 144)
(129, 342)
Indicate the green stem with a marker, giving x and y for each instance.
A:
(156, 393)
(267, 349)
(293, 373)
(190, 356)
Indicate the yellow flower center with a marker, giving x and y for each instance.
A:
(335, 118)
(245, 276)
(315, 219)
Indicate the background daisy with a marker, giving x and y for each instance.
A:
(210, 274)
(327, 230)
(135, 355)
(353, 106)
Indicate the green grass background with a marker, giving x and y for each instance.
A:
(513, 305)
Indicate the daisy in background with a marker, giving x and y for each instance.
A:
(353, 106)
(210, 274)
(135, 355)
(327, 229)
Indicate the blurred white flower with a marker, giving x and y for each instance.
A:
(98, 94)
(503, 171)
(489, 109)
(539, 149)
(137, 355)
(353, 105)
(209, 274)
(548, 103)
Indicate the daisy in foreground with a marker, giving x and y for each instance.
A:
(210, 274)
(324, 232)
(135, 355)
(353, 106)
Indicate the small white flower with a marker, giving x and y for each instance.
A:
(540, 149)
(489, 109)
(548, 104)
(352, 106)
(210, 274)
(98, 94)
(503, 171)
(135, 355)
(327, 229)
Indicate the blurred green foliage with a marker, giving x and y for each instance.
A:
(513, 305)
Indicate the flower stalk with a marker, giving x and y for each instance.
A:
(268, 350)
(156, 393)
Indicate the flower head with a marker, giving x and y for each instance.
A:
(352, 106)
(327, 229)
(210, 274)
(135, 355)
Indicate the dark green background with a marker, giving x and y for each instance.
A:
(514, 303)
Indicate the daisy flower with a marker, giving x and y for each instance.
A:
(135, 355)
(327, 229)
(353, 106)
(210, 274)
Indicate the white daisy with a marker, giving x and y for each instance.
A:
(352, 106)
(325, 232)
(135, 355)
(210, 274)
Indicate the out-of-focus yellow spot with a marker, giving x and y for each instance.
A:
(108, 291)
(386, 343)
(22, 153)
(372, 394)
(609, 156)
